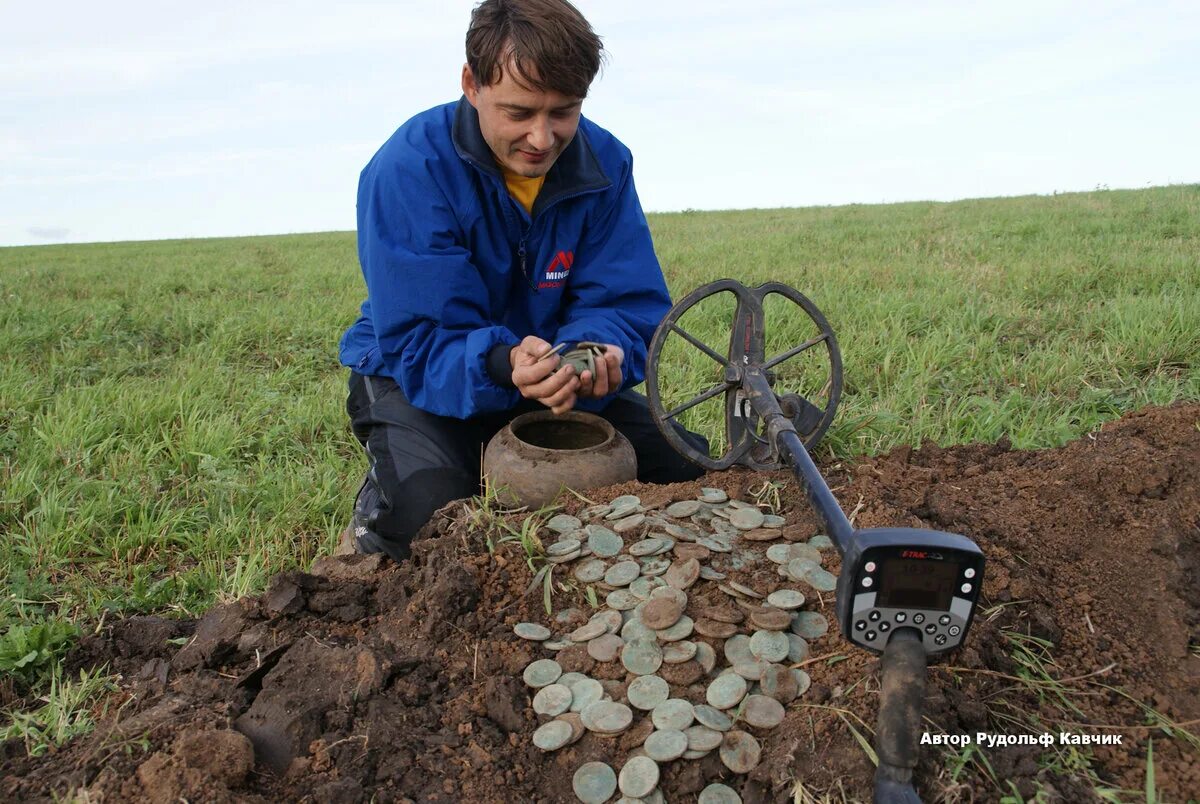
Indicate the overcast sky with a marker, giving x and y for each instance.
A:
(144, 120)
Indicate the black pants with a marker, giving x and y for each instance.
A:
(419, 461)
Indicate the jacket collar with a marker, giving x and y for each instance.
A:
(577, 170)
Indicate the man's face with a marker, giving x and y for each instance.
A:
(526, 129)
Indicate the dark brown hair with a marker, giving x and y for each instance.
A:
(548, 43)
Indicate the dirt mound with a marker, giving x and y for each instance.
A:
(362, 680)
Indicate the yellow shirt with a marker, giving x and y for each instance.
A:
(523, 189)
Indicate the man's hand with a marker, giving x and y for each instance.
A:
(543, 380)
(608, 374)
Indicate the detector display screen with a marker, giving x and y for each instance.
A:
(906, 583)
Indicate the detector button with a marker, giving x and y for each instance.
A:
(874, 616)
(861, 625)
(969, 574)
(944, 619)
(870, 636)
(966, 588)
(918, 618)
(901, 616)
(940, 639)
(867, 583)
(955, 630)
(870, 567)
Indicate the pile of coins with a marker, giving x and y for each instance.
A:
(647, 562)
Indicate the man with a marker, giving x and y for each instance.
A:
(489, 230)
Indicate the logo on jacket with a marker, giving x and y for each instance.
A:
(556, 272)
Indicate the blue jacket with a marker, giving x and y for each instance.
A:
(457, 272)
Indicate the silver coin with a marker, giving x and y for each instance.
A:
(653, 567)
(706, 656)
(712, 718)
(690, 754)
(594, 511)
(683, 509)
(606, 717)
(641, 656)
(557, 644)
(716, 545)
(665, 745)
(590, 571)
(710, 495)
(679, 652)
(803, 681)
(567, 679)
(647, 692)
(643, 586)
(589, 630)
(553, 735)
(710, 574)
(638, 777)
(746, 518)
(612, 619)
(726, 691)
(604, 542)
(621, 600)
(636, 629)
(542, 673)
(717, 793)
(740, 752)
(680, 532)
(531, 631)
(770, 646)
(773, 521)
(621, 511)
(745, 590)
(737, 504)
(626, 499)
(786, 599)
(564, 559)
(798, 569)
(552, 700)
(585, 693)
(762, 712)
(564, 523)
(594, 783)
(622, 573)
(779, 553)
(821, 542)
(751, 671)
(810, 625)
(673, 713)
(702, 738)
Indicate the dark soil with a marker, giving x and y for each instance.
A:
(364, 680)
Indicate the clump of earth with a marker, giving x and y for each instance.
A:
(446, 679)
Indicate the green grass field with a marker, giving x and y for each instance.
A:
(171, 413)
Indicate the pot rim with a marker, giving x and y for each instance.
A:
(590, 419)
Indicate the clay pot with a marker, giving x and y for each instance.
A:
(538, 454)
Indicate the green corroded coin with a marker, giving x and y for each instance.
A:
(531, 631)
(622, 573)
(737, 649)
(604, 542)
(639, 777)
(726, 691)
(780, 553)
(706, 656)
(646, 547)
(710, 574)
(590, 630)
(762, 711)
(773, 521)
(567, 679)
(621, 600)
(564, 523)
(797, 648)
(745, 590)
(670, 593)
(606, 717)
(778, 682)
(596, 511)
(621, 511)
(715, 496)
(591, 571)
(803, 681)
(683, 509)
(682, 629)
(702, 738)
(628, 523)
(605, 648)
(643, 586)
(714, 544)
(746, 518)
(786, 599)
(822, 580)
(647, 692)
(626, 499)
(799, 569)
(751, 671)
(821, 542)
(653, 567)
(552, 700)
(584, 693)
(557, 644)
(770, 646)
(717, 793)
(594, 783)
(642, 656)
(683, 534)
(810, 625)
(679, 652)
(636, 629)
(563, 547)
(542, 673)
(673, 713)
(712, 718)
(740, 751)
(553, 735)
(665, 745)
